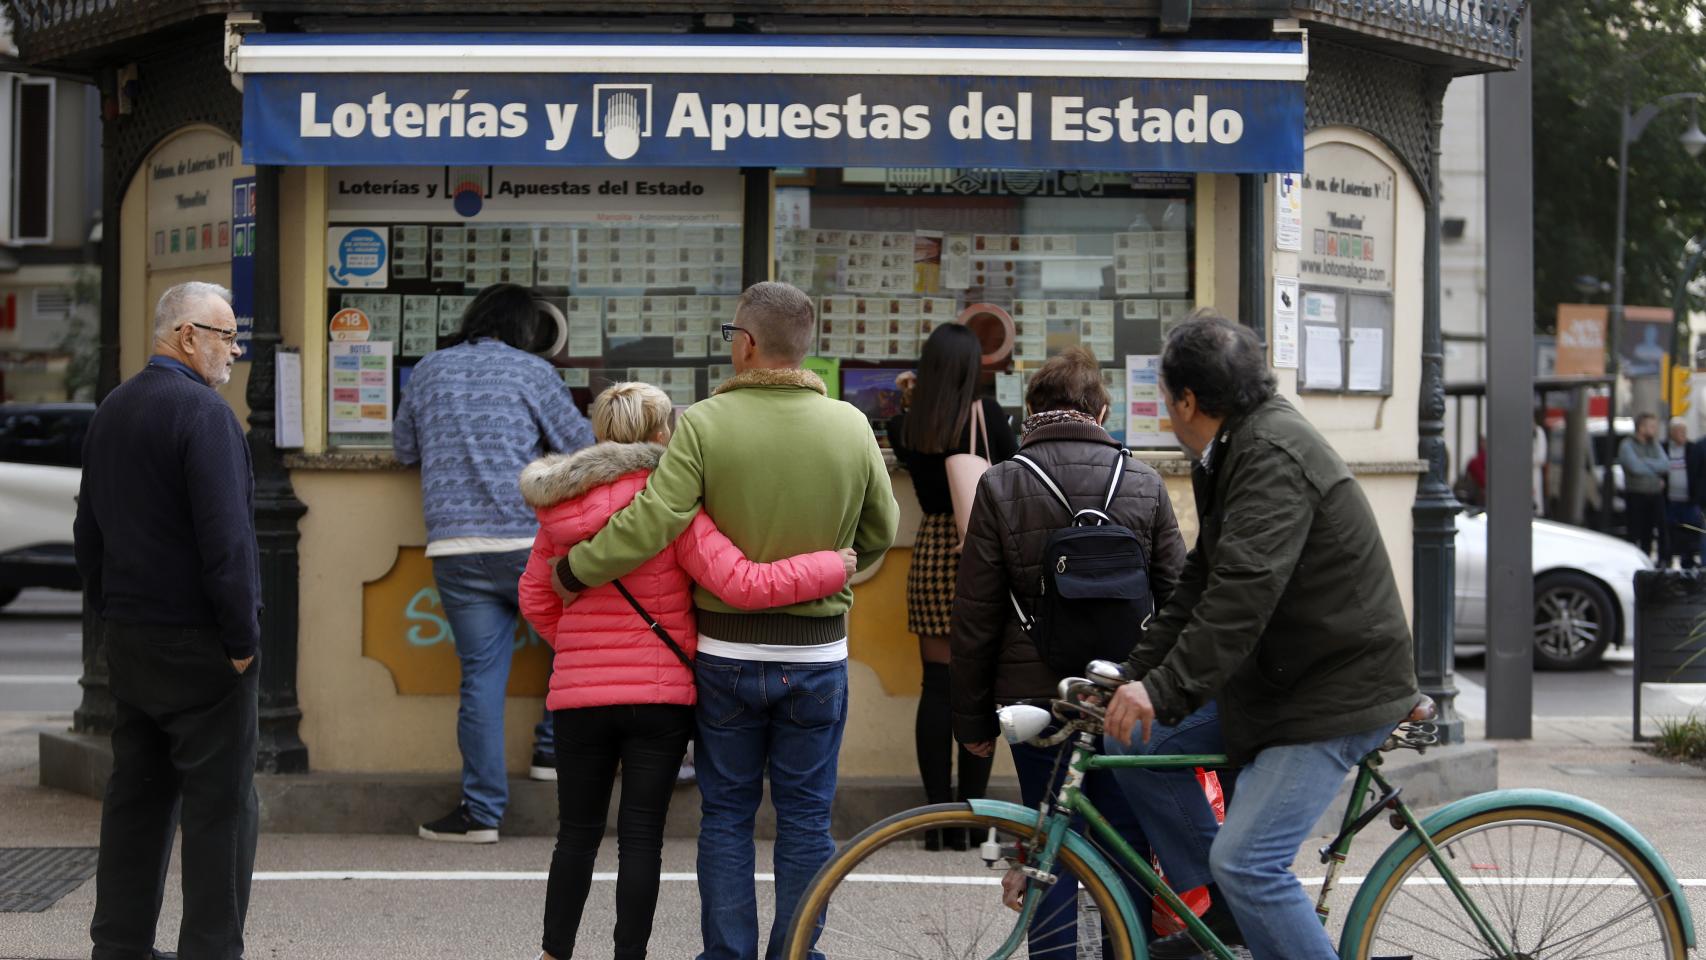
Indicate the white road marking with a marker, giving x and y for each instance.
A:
(23, 678)
(901, 878)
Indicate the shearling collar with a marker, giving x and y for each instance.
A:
(803, 379)
(551, 480)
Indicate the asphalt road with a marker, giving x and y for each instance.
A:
(41, 651)
(1605, 691)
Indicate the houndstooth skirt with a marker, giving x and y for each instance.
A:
(930, 581)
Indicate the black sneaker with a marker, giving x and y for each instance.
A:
(544, 767)
(458, 827)
(1180, 946)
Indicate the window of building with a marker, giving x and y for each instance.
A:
(32, 160)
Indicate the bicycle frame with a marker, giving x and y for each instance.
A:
(1054, 821)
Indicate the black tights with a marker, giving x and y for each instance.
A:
(934, 737)
(648, 740)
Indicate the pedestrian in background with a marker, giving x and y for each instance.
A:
(621, 688)
(782, 469)
(936, 425)
(1646, 467)
(474, 414)
(1685, 492)
(165, 543)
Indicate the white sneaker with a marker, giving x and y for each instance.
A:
(543, 768)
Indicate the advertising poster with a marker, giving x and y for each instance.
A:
(1349, 212)
(1581, 340)
(359, 257)
(1147, 425)
(240, 238)
(1288, 211)
(359, 385)
(1285, 322)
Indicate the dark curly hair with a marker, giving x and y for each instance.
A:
(1220, 362)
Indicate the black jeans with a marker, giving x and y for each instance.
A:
(1647, 526)
(184, 741)
(648, 740)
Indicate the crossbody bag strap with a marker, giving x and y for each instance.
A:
(655, 627)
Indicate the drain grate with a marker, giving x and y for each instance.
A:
(34, 878)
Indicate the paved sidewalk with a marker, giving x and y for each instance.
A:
(417, 899)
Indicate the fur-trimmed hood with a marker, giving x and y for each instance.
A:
(551, 480)
(804, 379)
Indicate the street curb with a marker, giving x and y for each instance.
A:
(349, 803)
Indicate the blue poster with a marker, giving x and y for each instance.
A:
(243, 260)
(1183, 121)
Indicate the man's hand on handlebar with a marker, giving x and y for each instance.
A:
(1129, 709)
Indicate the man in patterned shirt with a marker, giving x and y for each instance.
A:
(474, 414)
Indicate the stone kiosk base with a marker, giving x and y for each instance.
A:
(398, 803)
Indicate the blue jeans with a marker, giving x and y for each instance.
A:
(478, 592)
(1280, 796)
(1054, 930)
(1170, 804)
(757, 718)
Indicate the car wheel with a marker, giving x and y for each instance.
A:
(8, 594)
(1574, 619)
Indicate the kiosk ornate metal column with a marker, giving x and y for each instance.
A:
(276, 508)
(1435, 510)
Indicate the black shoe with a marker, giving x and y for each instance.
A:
(458, 827)
(932, 840)
(954, 838)
(1180, 946)
(544, 767)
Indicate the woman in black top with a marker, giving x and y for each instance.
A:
(939, 424)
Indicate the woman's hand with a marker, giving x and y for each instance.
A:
(849, 560)
(984, 749)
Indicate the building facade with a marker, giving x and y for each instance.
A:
(1061, 173)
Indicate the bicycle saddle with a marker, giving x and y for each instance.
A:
(1424, 710)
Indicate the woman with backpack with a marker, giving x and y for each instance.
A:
(622, 686)
(996, 659)
(939, 423)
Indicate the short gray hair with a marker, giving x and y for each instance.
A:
(780, 318)
(183, 303)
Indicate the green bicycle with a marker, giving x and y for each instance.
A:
(1505, 875)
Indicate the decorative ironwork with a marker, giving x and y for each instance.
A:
(1489, 31)
(1473, 31)
(1395, 109)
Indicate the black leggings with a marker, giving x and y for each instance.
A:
(933, 736)
(648, 740)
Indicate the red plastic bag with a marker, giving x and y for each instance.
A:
(1165, 920)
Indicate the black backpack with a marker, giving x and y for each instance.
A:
(1095, 600)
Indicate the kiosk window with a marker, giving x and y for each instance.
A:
(1093, 259)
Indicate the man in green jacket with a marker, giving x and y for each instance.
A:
(1287, 614)
(783, 470)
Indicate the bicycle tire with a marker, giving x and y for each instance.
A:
(1388, 931)
(908, 827)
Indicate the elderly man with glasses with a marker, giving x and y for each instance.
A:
(165, 541)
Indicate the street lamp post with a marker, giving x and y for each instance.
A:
(1631, 126)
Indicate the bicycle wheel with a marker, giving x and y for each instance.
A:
(884, 895)
(1555, 885)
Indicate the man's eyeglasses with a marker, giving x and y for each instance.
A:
(229, 335)
(729, 333)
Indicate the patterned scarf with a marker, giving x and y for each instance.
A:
(1049, 418)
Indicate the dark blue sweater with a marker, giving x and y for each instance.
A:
(166, 518)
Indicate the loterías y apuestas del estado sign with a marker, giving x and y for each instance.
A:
(1196, 118)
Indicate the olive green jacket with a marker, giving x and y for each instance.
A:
(1287, 612)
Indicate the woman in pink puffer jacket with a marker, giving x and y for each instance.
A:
(619, 693)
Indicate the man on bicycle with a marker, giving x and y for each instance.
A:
(1288, 615)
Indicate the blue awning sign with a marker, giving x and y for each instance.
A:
(355, 103)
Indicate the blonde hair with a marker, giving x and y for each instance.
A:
(630, 413)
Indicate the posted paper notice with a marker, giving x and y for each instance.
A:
(1324, 366)
(360, 387)
(1368, 359)
(1285, 322)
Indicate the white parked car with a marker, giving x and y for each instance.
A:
(1584, 591)
(41, 455)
